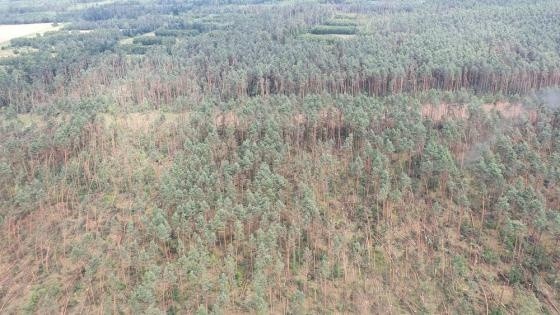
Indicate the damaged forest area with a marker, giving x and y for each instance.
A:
(280, 157)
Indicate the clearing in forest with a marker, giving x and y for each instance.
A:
(341, 26)
(84, 5)
(8, 32)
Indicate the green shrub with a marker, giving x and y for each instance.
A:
(148, 40)
(333, 30)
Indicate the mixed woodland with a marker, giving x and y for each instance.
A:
(294, 157)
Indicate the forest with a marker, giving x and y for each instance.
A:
(280, 157)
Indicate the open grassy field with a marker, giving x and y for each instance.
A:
(8, 32)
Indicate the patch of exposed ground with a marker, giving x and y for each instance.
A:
(460, 111)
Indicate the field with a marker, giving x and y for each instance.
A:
(8, 32)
